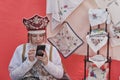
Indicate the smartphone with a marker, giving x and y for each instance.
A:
(39, 50)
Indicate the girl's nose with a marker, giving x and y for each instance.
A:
(39, 38)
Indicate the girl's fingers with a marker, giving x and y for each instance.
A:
(31, 53)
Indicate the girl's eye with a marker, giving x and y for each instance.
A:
(34, 35)
(41, 35)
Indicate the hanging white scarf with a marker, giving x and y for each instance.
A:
(97, 39)
(115, 36)
(97, 16)
(113, 7)
(98, 60)
(61, 9)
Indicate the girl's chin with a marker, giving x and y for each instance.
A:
(38, 43)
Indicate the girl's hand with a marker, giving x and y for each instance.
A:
(43, 58)
(31, 54)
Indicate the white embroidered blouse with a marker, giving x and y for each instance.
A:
(18, 69)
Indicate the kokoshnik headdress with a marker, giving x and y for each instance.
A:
(36, 24)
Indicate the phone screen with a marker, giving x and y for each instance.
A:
(39, 50)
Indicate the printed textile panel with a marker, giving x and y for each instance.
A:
(97, 73)
(66, 40)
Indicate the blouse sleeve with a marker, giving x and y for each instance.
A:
(17, 68)
(55, 67)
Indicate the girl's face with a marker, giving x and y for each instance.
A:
(37, 39)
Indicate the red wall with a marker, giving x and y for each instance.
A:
(12, 31)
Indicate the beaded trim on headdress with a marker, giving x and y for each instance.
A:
(36, 24)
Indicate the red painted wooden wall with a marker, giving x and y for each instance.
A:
(12, 31)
